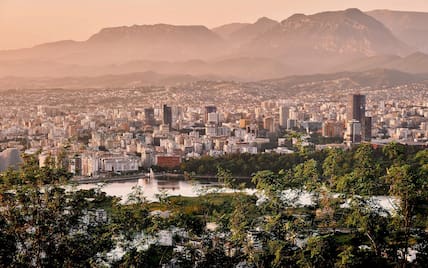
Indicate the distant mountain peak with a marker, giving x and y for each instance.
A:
(135, 30)
(265, 20)
(297, 16)
(417, 54)
(299, 44)
(351, 14)
(348, 33)
(353, 11)
(409, 26)
(250, 31)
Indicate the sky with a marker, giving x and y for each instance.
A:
(25, 23)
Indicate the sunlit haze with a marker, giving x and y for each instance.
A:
(26, 23)
(213, 133)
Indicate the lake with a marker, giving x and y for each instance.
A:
(152, 188)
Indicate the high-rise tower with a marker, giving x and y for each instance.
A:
(356, 107)
(356, 114)
(167, 115)
(284, 113)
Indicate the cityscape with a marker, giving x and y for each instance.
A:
(113, 131)
(137, 134)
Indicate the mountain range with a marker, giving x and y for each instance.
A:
(334, 41)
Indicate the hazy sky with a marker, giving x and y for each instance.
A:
(24, 23)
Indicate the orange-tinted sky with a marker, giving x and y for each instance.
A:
(24, 23)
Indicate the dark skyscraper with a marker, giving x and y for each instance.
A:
(209, 109)
(167, 115)
(357, 112)
(149, 116)
(357, 107)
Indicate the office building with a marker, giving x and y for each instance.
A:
(357, 113)
(208, 110)
(332, 129)
(213, 118)
(353, 132)
(167, 115)
(268, 124)
(284, 113)
(149, 116)
(356, 107)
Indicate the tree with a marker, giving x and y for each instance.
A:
(346, 258)
(366, 170)
(395, 152)
(370, 222)
(411, 191)
(283, 253)
(365, 178)
(319, 252)
(154, 256)
(309, 174)
(268, 182)
(238, 220)
(45, 222)
(225, 177)
(334, 165)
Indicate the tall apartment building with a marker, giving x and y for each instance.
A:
(149, 116)
(208, 110)
(356, 107)
(167, 115)
(359, 126)
(284, 113)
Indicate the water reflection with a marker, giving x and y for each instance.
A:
(152, 188)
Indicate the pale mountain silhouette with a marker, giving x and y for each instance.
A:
(301, 44)
(411, 27)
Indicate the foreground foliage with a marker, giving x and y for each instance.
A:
(45, 222)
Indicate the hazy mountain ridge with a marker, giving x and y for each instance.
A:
(411, 27)
(298, 83)
(226, 30)
(243, 68)
(157, 42)
(301, 44)
(376, 78)
(123, 44)
(251, 31)
(414, 63)
(103, 81)
(349, 33)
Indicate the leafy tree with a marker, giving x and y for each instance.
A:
(282, 253)
(370, 222)
(334, 165)
(320, 251)
(309, 174)
(365, 178)
(411, 190)
(395, 152)
(215, 256)
(270, 183)
(347, 258)
(45, 222)
(154, 256)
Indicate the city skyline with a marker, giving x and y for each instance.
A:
(26, 24)
(243, 133)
